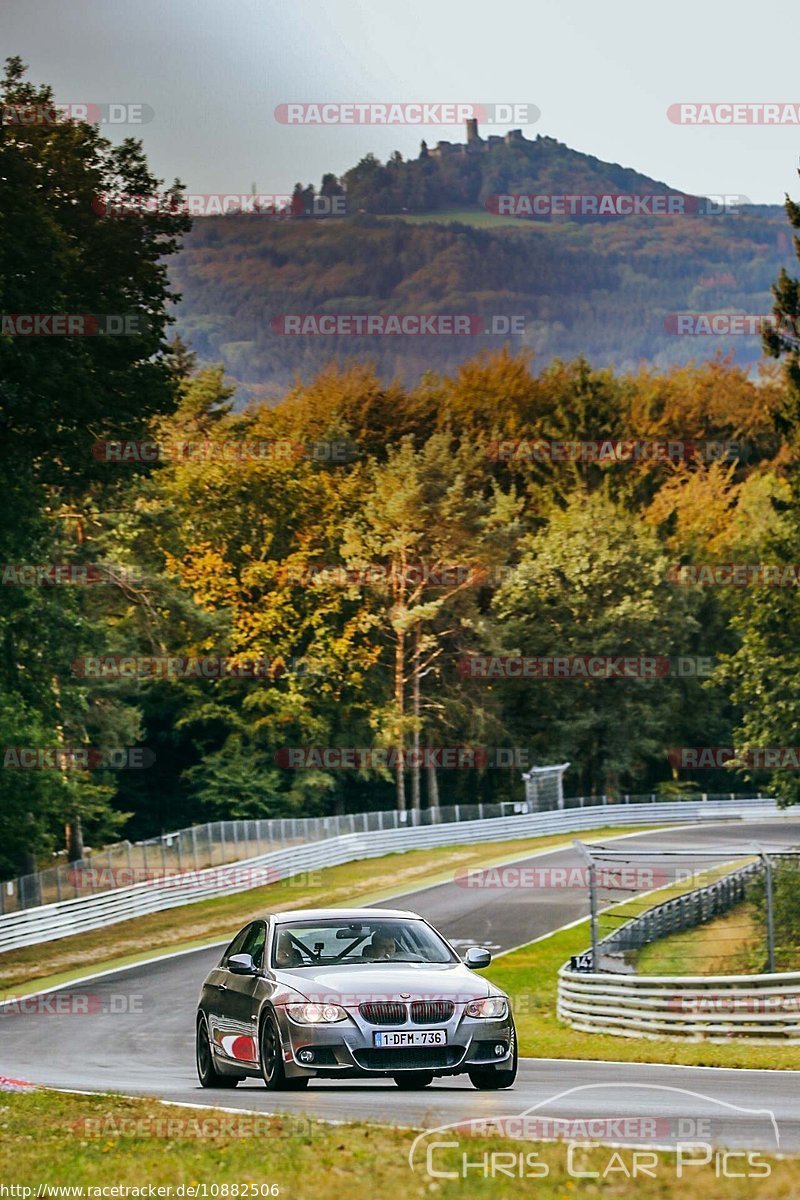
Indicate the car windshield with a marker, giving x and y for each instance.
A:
(325, 943)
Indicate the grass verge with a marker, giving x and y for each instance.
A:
(728, 945)
(51, 1140)
(193, 925)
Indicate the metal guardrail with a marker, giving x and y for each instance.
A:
(680, 912)
(683, 1008)
(220, 842)
(51, 921)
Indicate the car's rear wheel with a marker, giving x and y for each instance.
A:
(411, 1080)
(207, 1073)
(270, 1056)
(492, 1079)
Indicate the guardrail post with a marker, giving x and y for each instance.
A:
(770, 913)
(587, 858)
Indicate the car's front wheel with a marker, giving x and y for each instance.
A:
(207, 1073)
(270, 1055)
(490, 1079)
(411, 1080)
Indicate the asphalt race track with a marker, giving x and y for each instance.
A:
(138, 1036)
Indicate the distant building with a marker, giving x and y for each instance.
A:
(475, 144)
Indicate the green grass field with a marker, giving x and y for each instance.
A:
(734, 944)
(51, 1140)
(729, 945)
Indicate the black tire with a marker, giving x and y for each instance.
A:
(270, 1058)
(207, 1073)
(412, 1080)
(490, 1079)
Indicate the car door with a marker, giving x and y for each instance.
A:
(215, 993)
(239, 1040)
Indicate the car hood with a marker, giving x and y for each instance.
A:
(353, 984)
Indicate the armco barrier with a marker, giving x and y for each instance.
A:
(216, 843)
(761, 1008)
(686, 911)
(51, 921)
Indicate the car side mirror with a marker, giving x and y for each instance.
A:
(241, 964)
(476, 957)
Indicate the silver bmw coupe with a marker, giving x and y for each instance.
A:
(351, 993)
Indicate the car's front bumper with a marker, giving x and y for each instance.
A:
(346, 1048)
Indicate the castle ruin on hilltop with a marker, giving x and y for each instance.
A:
(475, 144)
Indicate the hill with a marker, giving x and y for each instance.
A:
(428, 236)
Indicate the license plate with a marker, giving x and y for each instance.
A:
(392, 1038)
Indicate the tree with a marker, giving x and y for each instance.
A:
(592, 583)
(62, 395)
(764, 673)
(782, 339)
(425, 526)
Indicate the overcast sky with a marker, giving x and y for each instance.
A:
(603, 76)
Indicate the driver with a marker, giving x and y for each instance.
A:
(383, 946)
(285, 953)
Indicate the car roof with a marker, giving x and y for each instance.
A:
(343, 914)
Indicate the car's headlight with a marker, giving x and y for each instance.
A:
(492, 1006)
(316, 1014)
